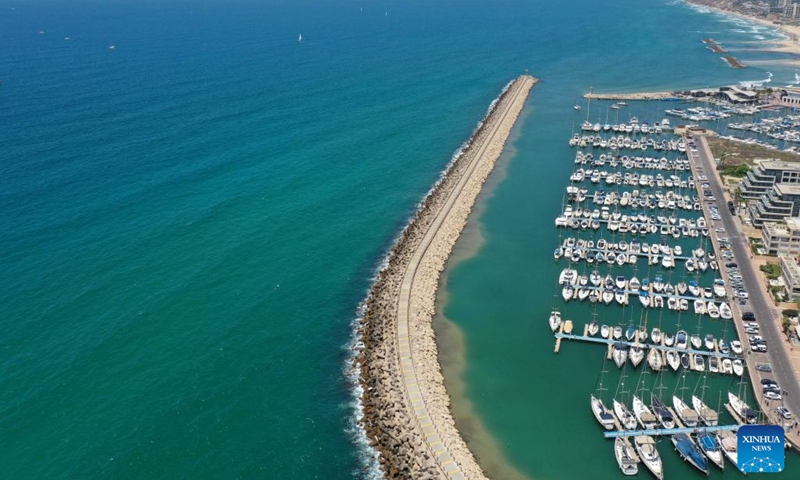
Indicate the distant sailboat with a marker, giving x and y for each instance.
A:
(300, 38)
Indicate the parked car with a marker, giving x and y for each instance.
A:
(748, 316)
(785, 413)
(768, 381)
(772, 396)
(764, 367)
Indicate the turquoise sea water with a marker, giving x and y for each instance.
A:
(190, 220)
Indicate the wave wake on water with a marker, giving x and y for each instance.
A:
(368, 457)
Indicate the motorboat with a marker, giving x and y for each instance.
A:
(630, 332)
(605, 331)
(621, 297)
(710, 447)
(608, 296)
(712, 309)
(713, 364)
(625, 459)
(736, 347)
(662, 412)
(738, 367)
(681, 340)
(688, 416)
(685, 361)
(669, 339)
(594, 328)
(634, 284)
(724, 347)
(626, 418)
(689, 452)
(699, 363)
(645, 447)
(725, 311)
(643, 414)
(707, 415)
(644, 298)
(710, 343)
(696, 341)
(617, 332)
(595, 278)
(655, 336)
(620, 354)
(699, 307)
(673, 360)
(602, 414)
(621, 282)
(742, 409)
(567, 327)
(642, 333)
(727, 366)
(555, 320)
(567, 292)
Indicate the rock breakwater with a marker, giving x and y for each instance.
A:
(406, 407)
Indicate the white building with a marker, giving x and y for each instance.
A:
(791, 276)
(782, 238)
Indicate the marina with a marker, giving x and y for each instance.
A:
(634, 218)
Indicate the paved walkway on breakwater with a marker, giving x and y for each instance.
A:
(435, 438)
(406, 408)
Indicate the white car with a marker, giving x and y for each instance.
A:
(772, 396)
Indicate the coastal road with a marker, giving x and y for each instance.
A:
(767, 316)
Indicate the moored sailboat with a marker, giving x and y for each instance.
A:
(689, 452)
(710, 447)
(625, 459)
(646, 448)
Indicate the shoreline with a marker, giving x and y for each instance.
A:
(406, 409)
(787, 45)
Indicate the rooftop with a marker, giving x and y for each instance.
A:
(787, 189)
(772, 164)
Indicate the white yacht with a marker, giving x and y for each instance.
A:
(636, 355)
(624, 415)
(625, 459)
(738, 367)
(709, 445)
(707, 415)
(620, 354)
(673, 360)
(655, 360)
(710, 342)
(646, 448)
(655, 336)
(742, 409)
(605, 331)
(602, 414)
(555, 320)
(696, 341)
(729, 443)
(646, 418)
(687, 415)
(725, 311)
(713, 310)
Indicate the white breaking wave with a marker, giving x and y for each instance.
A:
(756, 83)
(368, 457)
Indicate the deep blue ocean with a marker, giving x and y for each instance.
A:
(189, 220)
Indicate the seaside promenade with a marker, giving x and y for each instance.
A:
(406, 407)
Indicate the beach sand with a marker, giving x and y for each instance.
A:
(406, 407)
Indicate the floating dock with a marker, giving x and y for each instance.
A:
(663, 348)
(668, 431)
